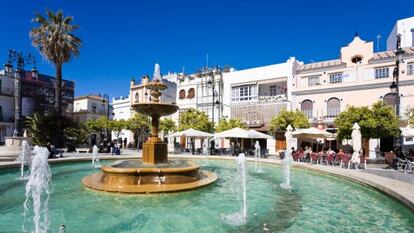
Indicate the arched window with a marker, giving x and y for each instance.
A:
(191, 93)
(390, 99)
(181, 94)
(307, 108)
(136, 99)
(333, 107)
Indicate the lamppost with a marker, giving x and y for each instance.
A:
(212, 83)
(21, 61)
(395, 85)
(105, 98)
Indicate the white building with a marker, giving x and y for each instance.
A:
(404, 27)
(122, 111)
(256, 95)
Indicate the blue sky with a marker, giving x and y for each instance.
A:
(124, 38)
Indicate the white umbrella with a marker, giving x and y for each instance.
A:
(234, 133)
(192, 133)
(407, 131)
(312, 132)
(257, 135)
(356, 143)
(288, 136)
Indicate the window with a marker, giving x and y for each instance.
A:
(136, 99)
(335, 77)
(313, 80)
(181, 94)
(244, 93)
(191, 93)
(94, 108)
(273, 90)
(383, 72)
(333, 107)
(409, 139)
(410, 69)
(307, 108)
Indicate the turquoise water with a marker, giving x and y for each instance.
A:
(317, 203)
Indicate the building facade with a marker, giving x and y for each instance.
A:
(37, 94)
(122, 111)
(359, 77)
(404, 28)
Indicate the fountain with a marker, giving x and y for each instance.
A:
(38, 190)
(288, 160)
(239, 218)
(154, 173)
(24, 158)
(95, 157)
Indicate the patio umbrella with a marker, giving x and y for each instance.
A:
(192, 133)
(407, 131)
(234, 133)
(288, 136)
(257, 135)
(312, 133)
(356, 143)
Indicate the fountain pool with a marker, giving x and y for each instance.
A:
(317, 203)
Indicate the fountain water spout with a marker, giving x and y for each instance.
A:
(95, 157)
(24, 158)
(38, 190)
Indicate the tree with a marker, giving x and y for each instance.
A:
(117, 126)
(410, 115)
(225, 124)
(138, 124)
(297, 119)
(43, 128)
(97, 126)
(195, 119)
(379, 121)
(167, 125)
(55, 40)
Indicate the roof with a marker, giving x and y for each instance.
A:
(319, 65)
(90, 96)
(390, 54)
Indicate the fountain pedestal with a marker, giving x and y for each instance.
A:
(154, 151)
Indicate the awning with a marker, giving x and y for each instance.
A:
(192, 133)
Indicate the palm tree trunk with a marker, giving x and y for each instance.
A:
(58, 104)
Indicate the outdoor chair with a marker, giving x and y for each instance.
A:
(295, 156)
(330, 159)
(344, 160)
(301, 156)
(363, 161)
(314, 158)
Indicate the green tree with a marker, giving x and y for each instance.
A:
(379, 121)
(117, 126)
(195, 119)
(167, 125)
(97, 126)
(43, 128)
(139, 125)
(55, 40)
(297, 119)
(410, 115)
(225, 124)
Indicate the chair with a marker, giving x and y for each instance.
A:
(344, 159)
(295, 156)
(330, 159)
(314, 157)
(301, 156)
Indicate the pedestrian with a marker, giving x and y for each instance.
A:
(125, 142)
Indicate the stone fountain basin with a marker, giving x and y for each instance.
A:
(155, 109)
(134, 176)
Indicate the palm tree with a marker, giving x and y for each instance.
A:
(55, 41)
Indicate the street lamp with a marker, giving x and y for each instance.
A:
(105, 98)
(211, 82)
(395, 85)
